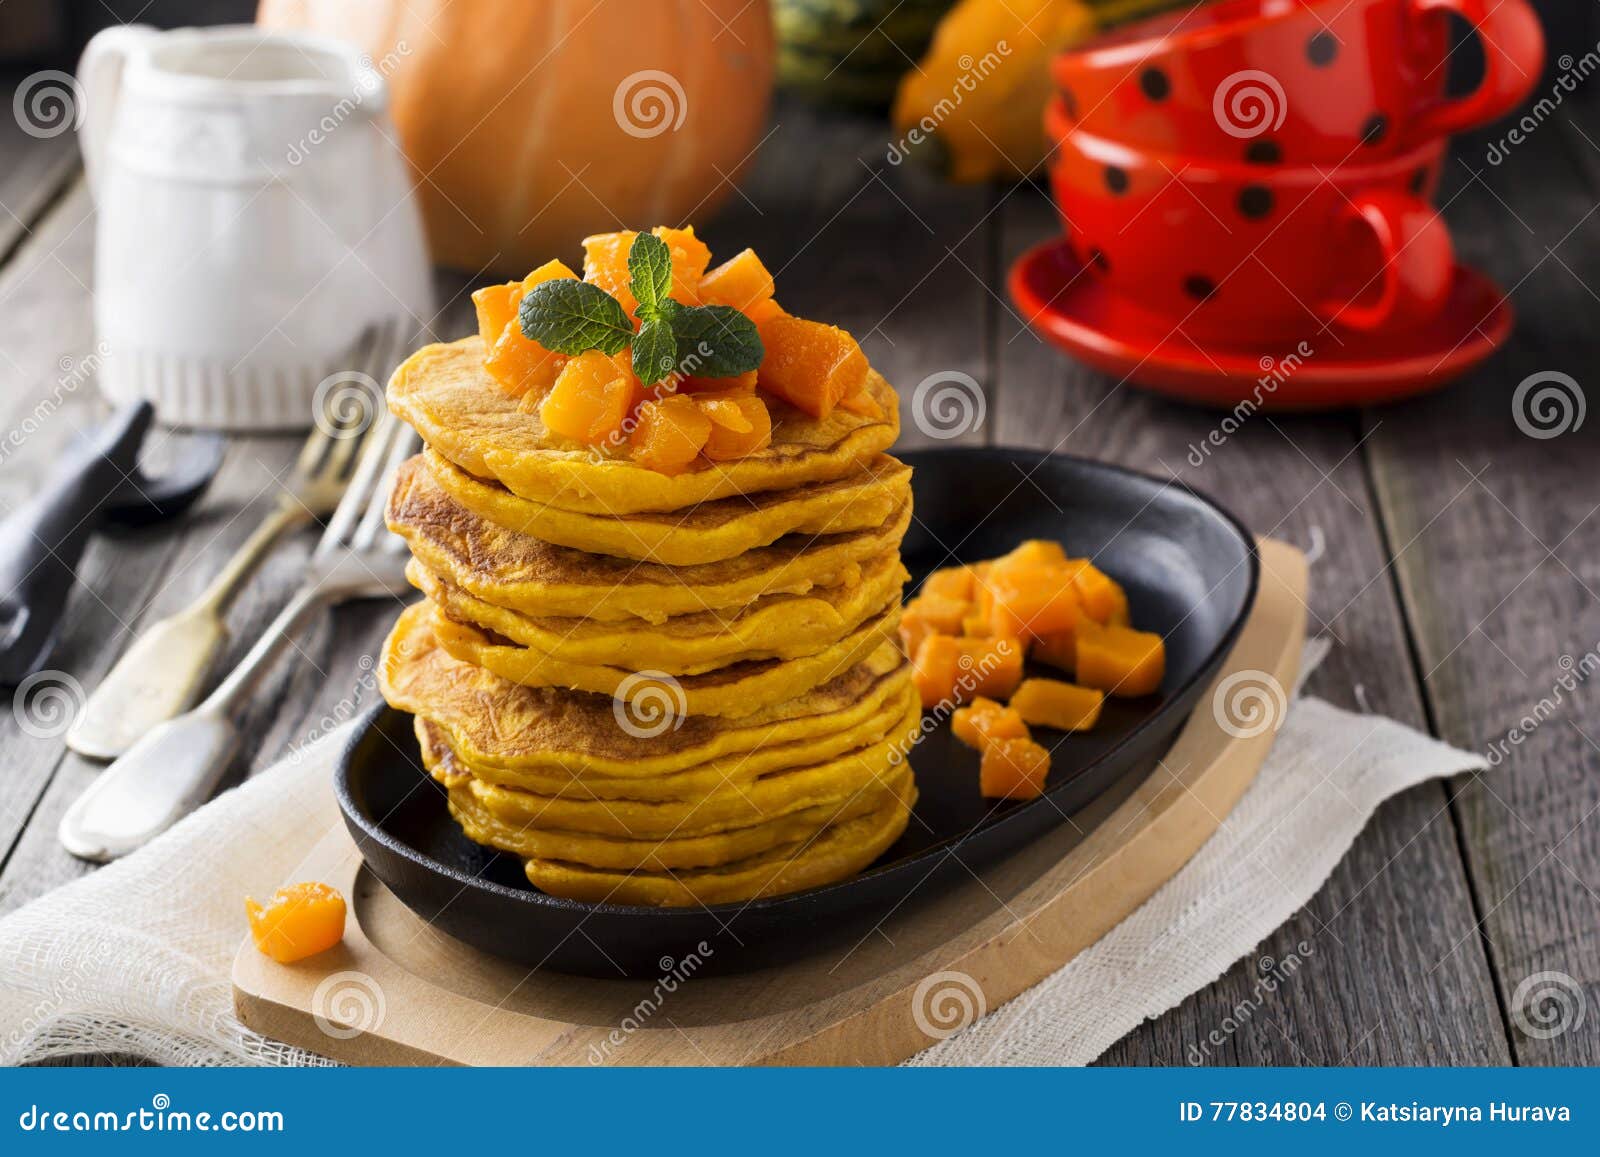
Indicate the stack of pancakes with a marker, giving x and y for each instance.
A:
(654, 689)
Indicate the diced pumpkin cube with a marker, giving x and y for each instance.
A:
(690, 256)
(605, 263)
(1033, 600)
(549, 271)
(524, 368)
(590, 401)
(951, 582)
(765, 312)
(863, 403)
(976, 627)
(991, 667)
(942, 614)
(669, 434)
(1013, 769)
(1033, 552)
(741, 281)
(1118, 660)
(1058, 649)
(934, 667)
(740, 425)
(744, 383)
(496, 306)
(1099, 595)
(913, 629)
(985, 721)
(1052, 703)
(810, 365)
(298, 921)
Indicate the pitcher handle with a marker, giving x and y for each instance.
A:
(99, 83)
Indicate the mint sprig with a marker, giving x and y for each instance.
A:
(573, 317)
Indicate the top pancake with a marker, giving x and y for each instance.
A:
(444, 392)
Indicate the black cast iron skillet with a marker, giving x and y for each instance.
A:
(1190, 570)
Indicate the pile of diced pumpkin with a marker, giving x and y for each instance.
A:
(970, 629)
(686, 421)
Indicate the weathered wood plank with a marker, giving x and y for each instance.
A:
(1496, 540)
(1398, 902)
(34, 168)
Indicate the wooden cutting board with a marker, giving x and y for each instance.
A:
(399, 992)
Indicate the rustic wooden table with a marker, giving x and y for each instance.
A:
(1459, 560)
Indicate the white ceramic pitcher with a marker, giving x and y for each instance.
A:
(254, 218)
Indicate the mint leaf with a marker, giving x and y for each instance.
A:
(655, 351)
(650, 271)
(572, 317)
(715, 341)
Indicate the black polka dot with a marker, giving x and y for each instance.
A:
(1419, 182)
(1373, 132)
(1199, 287)
(1070, 103)
(1322, 49)
(1116, 180)
(1098, 260)
(1155, 84)
(1255, 201)
(1263, 153)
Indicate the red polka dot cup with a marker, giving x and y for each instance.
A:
(1298, 81)
(1238, 254)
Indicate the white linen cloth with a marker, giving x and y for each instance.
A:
(135, 958)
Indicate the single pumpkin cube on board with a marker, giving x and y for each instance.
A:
(1013, 769)
(740, 425)
(1052, 703)
(1119, 661)
(669, 434)
(298, 921)
(986, 721)
(810, 365)
(590, 400)
(742, 281)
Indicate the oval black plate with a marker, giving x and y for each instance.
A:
(1190, 570)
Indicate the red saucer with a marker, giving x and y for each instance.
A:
(1073, 309)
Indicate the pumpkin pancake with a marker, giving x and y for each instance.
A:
(549, 740)
(710, 532)
(509, 569)
(775, 627)
(444, 392)
(839, 851)
(720, 804)
(483, 826)
(737, 689)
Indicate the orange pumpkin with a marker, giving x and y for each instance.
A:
(533, 125)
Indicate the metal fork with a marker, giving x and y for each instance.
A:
(163, 671)
(177, 765)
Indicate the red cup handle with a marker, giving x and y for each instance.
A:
(1418, 263)
(1513, 59)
